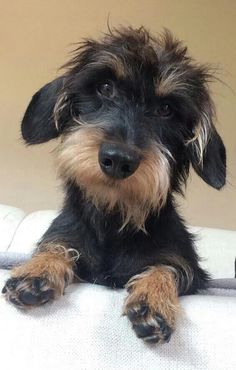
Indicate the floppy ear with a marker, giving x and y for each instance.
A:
(38, 125)
(212, 166)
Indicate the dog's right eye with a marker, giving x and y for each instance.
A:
(106, 89)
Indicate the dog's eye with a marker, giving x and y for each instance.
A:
(164, 110)
(106, 89)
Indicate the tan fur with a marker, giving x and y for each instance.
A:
(170, 81)
(156, 288)
(106, 58)
(184, 275)
(201, 136)
(173, 81)
(61, 103)
(55, 266)
(69, 253)
(172, 77)
(135, 196)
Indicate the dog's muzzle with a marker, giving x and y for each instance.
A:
(117, 160)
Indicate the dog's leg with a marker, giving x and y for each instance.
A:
(152, 304)
(41, 279)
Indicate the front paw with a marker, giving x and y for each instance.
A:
(149, 325)
(26, 292)
(152, 304)
(41, 279)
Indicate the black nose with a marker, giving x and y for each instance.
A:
(118, 161)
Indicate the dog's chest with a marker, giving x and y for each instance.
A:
(115, 261)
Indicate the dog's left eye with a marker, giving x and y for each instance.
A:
(164, 110)
(106, 89)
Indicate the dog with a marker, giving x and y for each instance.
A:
(133, 113)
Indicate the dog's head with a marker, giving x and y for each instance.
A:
(133, 113)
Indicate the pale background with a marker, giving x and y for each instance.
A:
(35, 38)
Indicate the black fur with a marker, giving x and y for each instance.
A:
(134, 114)
(213, 169)
(109, 257)
(38, 122)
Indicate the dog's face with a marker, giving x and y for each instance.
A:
(133, 112)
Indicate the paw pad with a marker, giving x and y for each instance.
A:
(25, 292)
(151, 327)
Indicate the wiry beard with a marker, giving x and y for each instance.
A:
(135, 197)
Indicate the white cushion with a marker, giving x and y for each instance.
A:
(10, 218)
(85, 330)
(217, 249)
(31, 230)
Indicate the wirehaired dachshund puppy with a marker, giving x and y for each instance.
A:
(133, 112)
